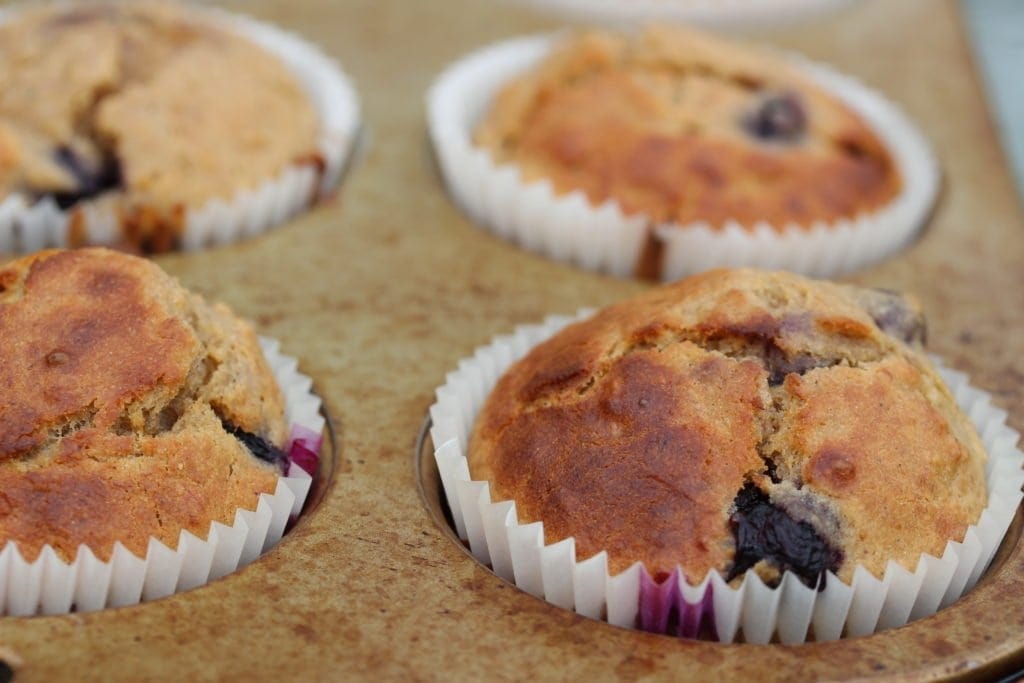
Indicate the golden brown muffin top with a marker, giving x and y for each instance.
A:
(681, 126)
(130, 406)
(146, 101)
(732, 420)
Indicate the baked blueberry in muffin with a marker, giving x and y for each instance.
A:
(737, 420)
(131, 407)
(147, 106)
(679, 126)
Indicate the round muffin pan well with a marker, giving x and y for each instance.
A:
(997, 578)
(381, 293)
(568, 227)
(319, 483)
(517, 551)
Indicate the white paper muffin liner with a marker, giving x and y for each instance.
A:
(708, 13)
(792, 612)
(27, 226)
(567, 227)
(50, 585)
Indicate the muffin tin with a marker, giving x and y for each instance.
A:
(381, 292)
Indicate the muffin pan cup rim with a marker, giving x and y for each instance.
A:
(49, 586)
(708, 13)
(569, 228)
(1000, 662)
(870, 604)
(27, 226)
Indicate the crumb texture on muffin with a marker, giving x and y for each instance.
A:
(734, 420)
(144, 104)
(130, 409)
(684, 127)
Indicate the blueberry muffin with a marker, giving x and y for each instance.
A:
(737, 420)
(145, 106)
(683, 127)
(131, 407)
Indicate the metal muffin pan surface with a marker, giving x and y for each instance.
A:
(381, 291)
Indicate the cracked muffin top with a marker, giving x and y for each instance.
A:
(680, 126)
(131, 407)
(733, 420)
(144, 103)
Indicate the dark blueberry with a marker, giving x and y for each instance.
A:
(92, 180)
(778, 364)
(259, 447)
(6, 672)
(765, 532)
(893, 315)
(778, 117)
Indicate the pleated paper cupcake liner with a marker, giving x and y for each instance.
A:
(27, 226)
(49, 585)
(708, 13)
(753, 612)
(569, 228)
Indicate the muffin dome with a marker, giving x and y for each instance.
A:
(735, 420)
(681, 127)
(146, 105)
(132, 408)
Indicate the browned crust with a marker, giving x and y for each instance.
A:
(633, 430)
(609, 115)
(316, 161)
(897, 463)
(116, 384)
(151, 231)
(159, 91)
(77, 235)
(67, 350)
(673, 451)
(650, 263)
(164, 486)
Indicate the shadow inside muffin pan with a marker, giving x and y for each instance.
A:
(323, 479)
(428, 482)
